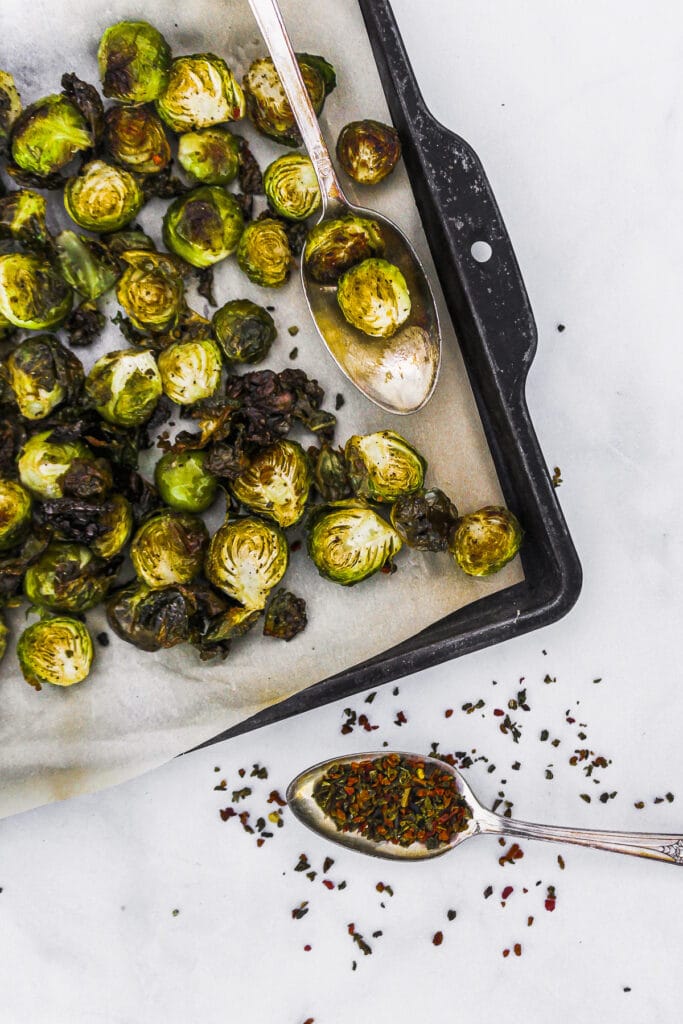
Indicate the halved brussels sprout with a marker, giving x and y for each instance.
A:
(58, 651)
(150, 619)
(330, 473)
(135, 137)
(374, 298)
(277, 483)
(350, 542)
(368, 150)
(10, 106)
(103, 197)
(267, 103)
(203, 226)
(44, 461)
(210, 155)
(134, 61)
(291, 185)
(125, 386)
(116, 517)
(15, 513)
(486, 540)
(190, 370)
(201, 91)
(264, 253)
(4, 635)
(67, 578)
(151, 291)
(48, 135)
(87, 479)
(32, 294)
(184, 482)
(23, 218)
(383, 466)
(43, 374)
(334, 246)
(86, 264)
(425, 520)
(169, 548)
(246, 559)
(244, 331)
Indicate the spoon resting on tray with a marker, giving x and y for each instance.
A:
(397, 373)
(380, 791)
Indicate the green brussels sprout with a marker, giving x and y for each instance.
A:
(48, 135)
(150, 619)
(203, 226)
(286, 616)
(334, 246)
(58, 651)
(43, 374)
(368, 150)
(184, 482)
(202, 91)
(10, 106)
(44, 461)
(424, 520)
(169, 548)
(486, 540)
(267, 103)
(190, 370)
(103, 197)
(276, 484)
(23, 218)
(32, 294)
(15, 513)
(132, 240)
(66, 578)
(134, 61)
(151, 291)
(244, 331)
(246, 559)
(86, 264)
(291, 186)
(125, 386)
(349, 542)
(322, 66)
(383, 466)
(264, 253)
(330, 473)
(116, 518)
(4, 634)
(135, 137)
(210, 155)
(374, 298)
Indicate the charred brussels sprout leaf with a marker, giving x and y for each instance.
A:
(87, 102)
(13, 564)
(68, 578)
(104, 525)
(350, 542)
(334, 246)
(89, 478)
(210, 156)
(43, 375)
(134, 61)
(383, 466)
(32, 294)
(151, 291)
(184, 482)
(246, 559)
(201, 91)
(45, 459)
(244, 331)
(425, 520)
(22, 218)
(204, 226)
(276, 483)
(125, 386)
(48, 135)
(85, 323)
(169, 548)
(264, 254)
(330, 473)
(86, 264)
(15, 513)
(149, 619)
(116, 523)
(286, 616)
(135, 137)
(368, 150)
(267, 104)
(486, 540)
(291, 186)
(121, 242)
(58, 651)
(10, 107)
(103, 197)
(374, 298)
(190, 370)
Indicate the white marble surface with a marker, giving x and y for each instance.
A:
(577, 111)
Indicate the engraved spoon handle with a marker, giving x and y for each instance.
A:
(272, 26)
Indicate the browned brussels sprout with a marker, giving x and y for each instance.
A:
(103, 197)
(68, 578)
(383, 466)
(169, 548)
(424, 520)
(286, 616)
(134, 61)
(246, 559)
(10, 107)
(116, 526)
(23, 218)
(291, 186)
(368, 150)
(334, 246)
(486, 540)
(184, 482)
(135, 137)
(48, 135)
(244, 331)
(350, 542)
(15, 513)
(203, 226)
(151, 290)
(102, 522)
(277, 483)
(125, 386)
(267, 104)
(330, 473)
(150, 619)
(58, 651)
(264, 253)
(43, 375)
(32, 294)
(190, 370)
(86, 264)
(374, 298)
(131, 240)
(201, 91)
(210, 155)
(44, 460)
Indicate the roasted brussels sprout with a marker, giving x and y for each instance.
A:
(350, 542)
(203, 226)
(169, 548)
(267, 104)
(383, 466)
(202, 91)
(32, 294)
(151, 291)
(57, 651)
(15, 513)
(184, 482)
(134, 61)
(48, 135)
(87, 479)
(277, 483)
(244, 331)
(86, 264)
(66, 578)
(190, 370)
(330, 473)
(150, 619)
(368, 150)
(374, 298)
(486, 540)
(211, 155)
(125, 386)
(291, 185)
(334, 246)
(44, 461)
(43, 374)
(264, 254)
(23, 218)
(424, 520)
(133, 240)
(103, 197)
(246, 559)
(116, 523)
(4, 634)
(10, 106)
(135, 137)
(286, 616)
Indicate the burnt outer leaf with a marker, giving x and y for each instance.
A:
(425, 520)
(151, 620)
(27, 179)
(84, 324)
(74, 519)
(12, 438)
(87, 101)
(126, 328)
(163, 185)
(330, 473)
(142, 495)
(87, 479)
(286, 616)
(14, 563)
(249, 175)
(204, 276)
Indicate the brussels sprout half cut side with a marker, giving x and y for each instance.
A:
(246, 559)
(15, 513)
(48, 135)
(43, 374)
(190, 370)
(134, 61)
(10, 106)
(264, 253)
(486, 540)
(44, 461)
(135, 137)
(169, 548)
(32, 294)
(350, 542)
(66, 577)
(58, 651)
(210, 156)
(151, 290)
(204, 226)
(267, 104)
(125, 386)
(374, 298)
(291, 185)
(334, 246)
(368, 150)
(277, 483)
(103, 198)
(383, 466)
(201, 91)
(244, 330)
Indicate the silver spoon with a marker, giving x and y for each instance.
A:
(398, 373)
(656, 846)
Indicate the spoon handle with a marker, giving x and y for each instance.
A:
(272, 26)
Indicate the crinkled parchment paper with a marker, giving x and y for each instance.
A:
(138, 710)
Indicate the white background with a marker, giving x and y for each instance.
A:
(576, 111)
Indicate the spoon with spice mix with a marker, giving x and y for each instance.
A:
(403, 806)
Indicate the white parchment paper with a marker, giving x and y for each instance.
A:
(138, 710)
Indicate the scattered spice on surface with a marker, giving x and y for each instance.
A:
(551, 898)
(488, 891)
(561, 328)
(103, 639)
(339, 401)
(300, 911)
(451, 915)
(294, 353)
(437, 938)
(560, 861)
(327, 864)
(293, 330)
(556, 478)
(517, 949)
(175, 912)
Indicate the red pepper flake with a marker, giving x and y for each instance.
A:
(560, 861)
(275, 798)
(507, 892)
(307, 949)
(242, 772)
(260, 842)
(529, 921)
(310, 1020)
(437, 938)
(365, 722)
(328, 884)
(511, 855)
(517, 948)
(448, 712)
(498, 712)
(400, 718)
(506, 952)
(227, 812)
(551, 898)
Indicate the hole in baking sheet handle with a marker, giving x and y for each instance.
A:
(481, 251)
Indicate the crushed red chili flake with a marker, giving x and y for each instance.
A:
(507, 892)
(518, 949)
(448, 712)
(303, 863)
(328, 884)
(551, 898)
(437, 938)
(275, 798)
(222, 785)
(400, 718)
(514, 853)
(498, 712)
(300, 911)
(506, 952)
(307, 949)
(560, 861)
(529, 921)
(227, 812)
